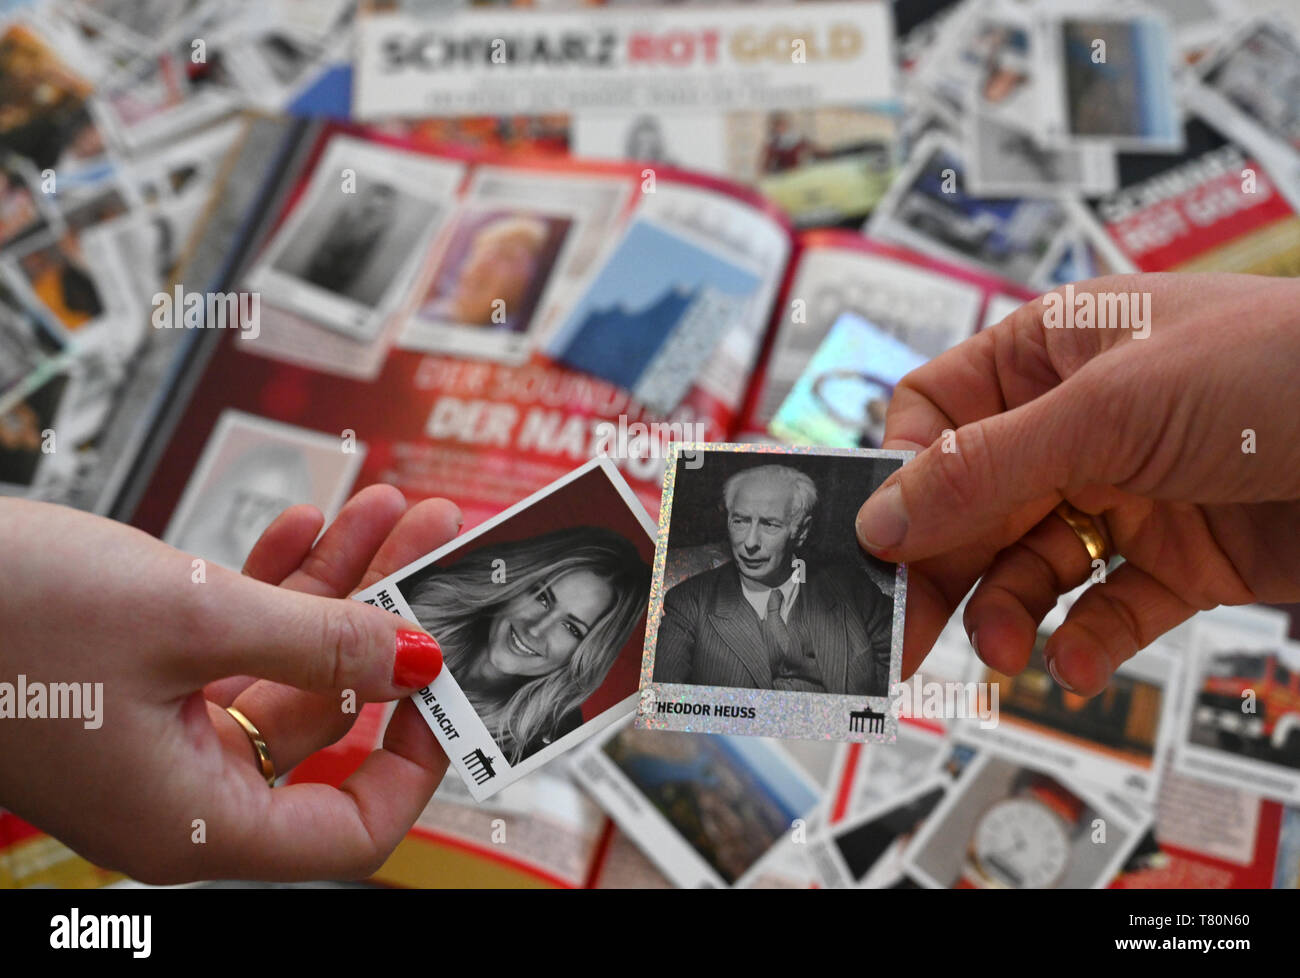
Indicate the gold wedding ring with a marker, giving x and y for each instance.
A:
(1086, 529)
(261, 753)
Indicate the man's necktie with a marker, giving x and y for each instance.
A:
(791, 669)
(774, 628)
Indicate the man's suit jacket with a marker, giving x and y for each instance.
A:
(709, 635)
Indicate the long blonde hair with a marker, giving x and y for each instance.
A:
(457, 604)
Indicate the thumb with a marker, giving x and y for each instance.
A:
(319, 644)
(966, 485)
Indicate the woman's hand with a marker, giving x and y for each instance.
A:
(87, 600)
(1185, 445)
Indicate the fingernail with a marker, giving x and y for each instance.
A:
(1051, 668)
(418, 660)
(882, 521)
(975, 641)
(903, 445)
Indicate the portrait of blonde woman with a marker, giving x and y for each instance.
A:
(531, 628)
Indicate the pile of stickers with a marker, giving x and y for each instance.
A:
(114, 120)
(672, 213)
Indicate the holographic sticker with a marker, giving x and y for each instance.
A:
(766, 618)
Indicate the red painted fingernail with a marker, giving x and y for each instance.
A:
(418, 660)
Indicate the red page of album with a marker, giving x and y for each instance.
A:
(467, 326)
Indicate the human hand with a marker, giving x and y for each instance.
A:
(1148, 435)
(84, 599)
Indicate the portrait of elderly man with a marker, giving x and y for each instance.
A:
(352, 239)
(771, 618)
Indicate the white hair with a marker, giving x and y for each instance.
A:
(803, 491)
